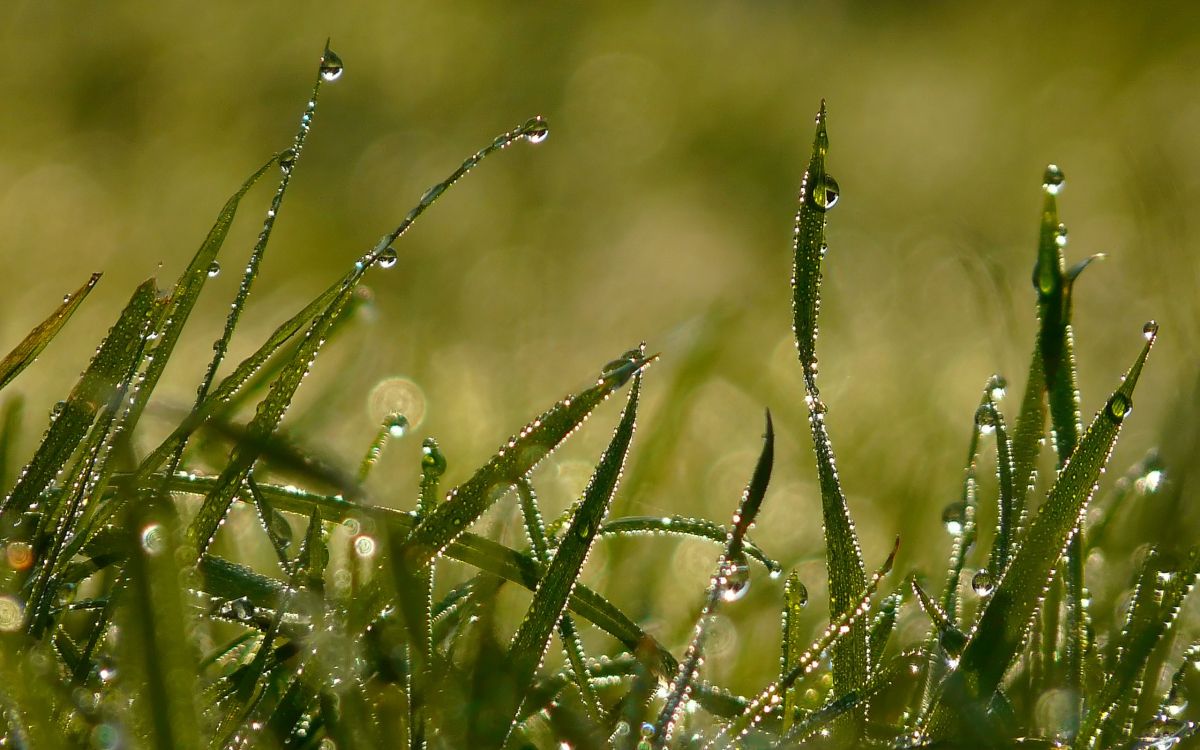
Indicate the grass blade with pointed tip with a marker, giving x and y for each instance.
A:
(695, 528)
(27, 351)
(552, 594)
(847, 574)
(1005, 620)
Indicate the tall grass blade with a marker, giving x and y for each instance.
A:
(10, 425)
(27, 351)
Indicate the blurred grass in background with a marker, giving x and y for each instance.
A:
(660, 208)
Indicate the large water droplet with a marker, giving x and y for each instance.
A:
(388, 257)
(982, 582)
(1118, 406)
(1060, 235)
(214, 269)
(397, 424)
(734, 577)
(985, 419)
(536, 130)
(1053, 180)
(1150, 330)
(287, 160)
(954, 516)
(825, 195)
(331, 66)
(432, 460)
(796, 590)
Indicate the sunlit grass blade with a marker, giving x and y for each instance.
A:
(467, 502)
(795, 597)
(27, 351)
(847, 573)
(884, 624)
(96, 388)
(552, 594)
(1004, 623)
(695, 528)
(728, 583)
(154, 644)
(770, 700)
(990, 418)
(949, 637)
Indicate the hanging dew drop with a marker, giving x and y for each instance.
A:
(985, 419)
(331, 66)
(388, 257)
(825, 195)
(734, 578)
(982, 582)
(1053, 180)
(1150, 330)
(536, 130)
(287, 160)
(432, 460)
(214, 269)
(397, 425)
(954, 516)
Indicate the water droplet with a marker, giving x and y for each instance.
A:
(536, 129)
(982, 582)
(1119, 406)
(242, 609)
(214, 268)
(734, 577)
(287, 160)
(985, 419)
(152, 538)
(1060, 235)
(824, 196)
(397, 424)
(1053, 180)
(954, 516)
(796, 591)
(331, 66)
(387, 257)
(998, 387)
(1150, 330)
(432, 460)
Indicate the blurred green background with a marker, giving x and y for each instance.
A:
(660, 208)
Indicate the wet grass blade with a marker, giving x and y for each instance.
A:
(847, 573)
(795, 597)
(695, 528)
(96, 388)
(27, 351)
(467, 502)
(552, 594)
(10, 426)
(1004, 623)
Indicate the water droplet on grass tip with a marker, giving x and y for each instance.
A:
(954, 516)
(287, 160)
(734, 578)
(1150, 330)
(214, 269)
(331, 66)
(536, 130)
(388, 257)
(1053, 180)
(397, 424)
(1119, 406)
(432, 460)
(825, 195)
(985, 419)
(982, 582)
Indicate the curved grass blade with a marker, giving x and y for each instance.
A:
(27, 351)
(10, 426)
(770, 699)
(552, 594)
(1005, 620)
(695, 528)
(991, 419)
(94, 389)
(847, 573)
(728, 582)
(515, 459)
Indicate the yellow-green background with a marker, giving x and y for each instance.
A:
(660, 208)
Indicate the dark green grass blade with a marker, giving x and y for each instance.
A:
(94, 389)
(552, 594)
(847, 574)
(695, 528)
(1027, 435)
(516, 458)
(10, 427)
(27, 351)
(728, 582)
(1005, 620)
(795, 597)
(154, 642)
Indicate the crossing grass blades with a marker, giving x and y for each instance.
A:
(123, 627)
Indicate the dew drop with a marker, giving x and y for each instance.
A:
(734, 577)
(242, 609)
(985, 419)
(954, 516)
(397, 424)
(1150, 330)
(214, 269)
(998, 387)
(1053, 180)
(982, 582)
(536, 129)
(432, 460)
(388, 257)
(331, 66)
(824, 196)
(1119, 406)
(1060, 235)
(287, 160)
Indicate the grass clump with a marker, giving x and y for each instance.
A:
(124, 626)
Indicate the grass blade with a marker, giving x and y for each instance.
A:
(10, 425)
(795, 597)
(1005, 620)
(847, 574)
(695, 528)
(552, 594)
(27, 351)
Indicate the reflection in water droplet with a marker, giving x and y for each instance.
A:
(954, 516)
(1150, 330)
(537, 130)
(331, 66)
(287, 160)
(982, 582)
(824, 196)
(1053, 180)
(795, 591)
(985, 419)
(397, 424)
(432, 460)
(1119, 406)
(388, 257)
(734, 577)
(214, 269)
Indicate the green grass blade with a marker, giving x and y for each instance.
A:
(95, 388)
(795, 597)
(847, 573)
(1005, 620)
(728, 583)
(154, 643)
(27, 351)
(695, 528)
(10, 426)
(991, 419)
(552, 594)
(1027, 435)
(515, 459)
